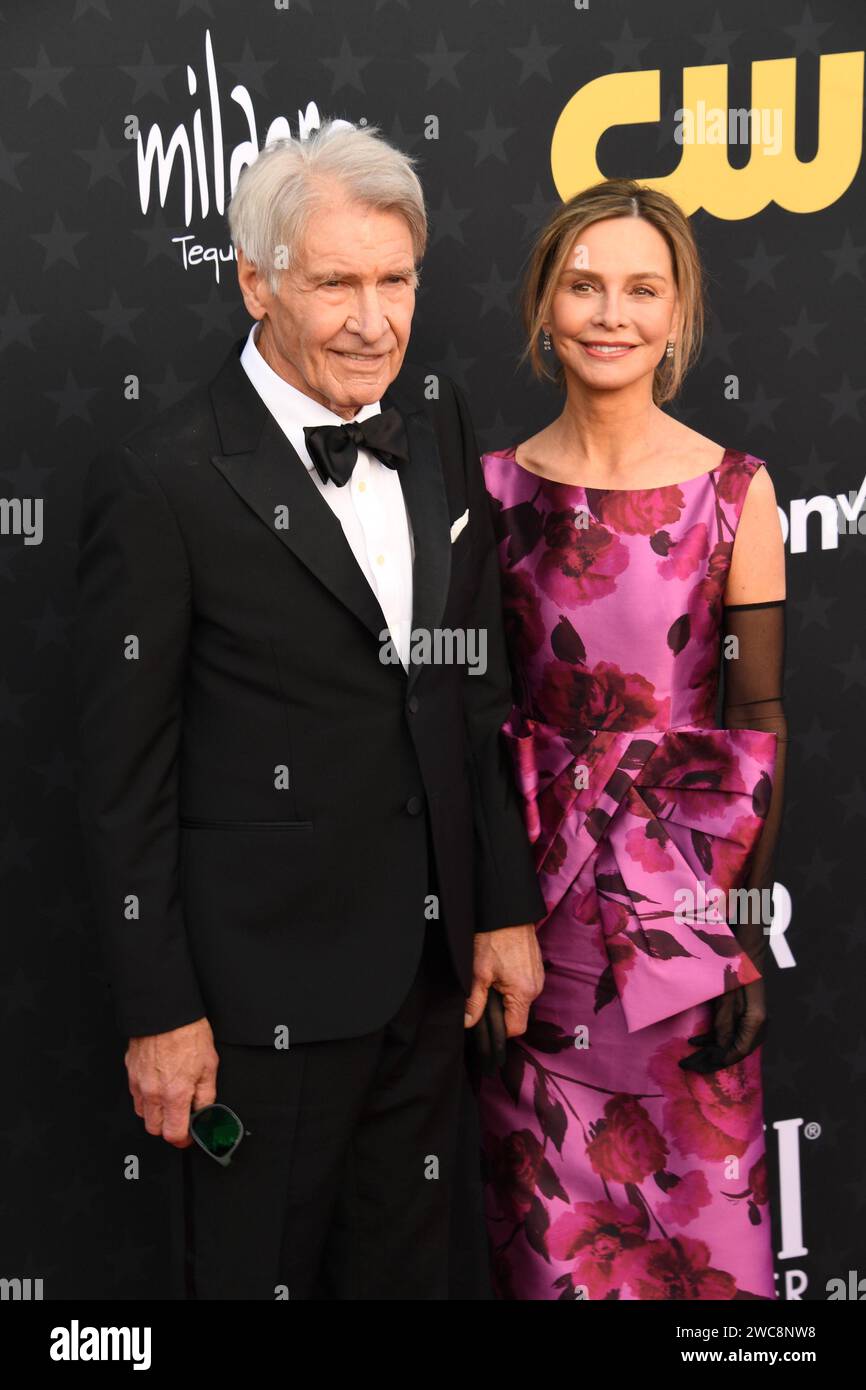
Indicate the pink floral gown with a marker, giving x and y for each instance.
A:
(609, 1171)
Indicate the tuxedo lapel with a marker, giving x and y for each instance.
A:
(273, 481)
(260, 464)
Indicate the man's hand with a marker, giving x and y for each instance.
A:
(170, 1074)
(508, 960)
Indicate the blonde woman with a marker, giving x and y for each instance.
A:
(623, 1142)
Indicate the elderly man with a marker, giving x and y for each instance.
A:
(301, 827)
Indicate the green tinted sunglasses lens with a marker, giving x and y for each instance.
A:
(218, 1129)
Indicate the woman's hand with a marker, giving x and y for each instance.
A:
(739, 1026)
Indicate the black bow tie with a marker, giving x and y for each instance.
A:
(334, 448)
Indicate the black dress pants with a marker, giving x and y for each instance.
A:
(342, 1188)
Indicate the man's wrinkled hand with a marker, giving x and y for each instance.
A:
(509, 961)
(169, 1075)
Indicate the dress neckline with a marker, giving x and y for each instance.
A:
(511, 452)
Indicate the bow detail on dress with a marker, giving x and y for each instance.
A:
(664, 815)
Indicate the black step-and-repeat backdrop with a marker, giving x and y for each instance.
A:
(123, 130)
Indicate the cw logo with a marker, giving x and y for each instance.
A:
(704, 177)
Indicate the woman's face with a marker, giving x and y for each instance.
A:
(616, 292)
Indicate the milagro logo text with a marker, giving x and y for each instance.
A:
(201, 163)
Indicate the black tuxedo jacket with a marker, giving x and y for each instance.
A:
(257, 784)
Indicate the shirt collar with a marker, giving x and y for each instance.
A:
(291, 408)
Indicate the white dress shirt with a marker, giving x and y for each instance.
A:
(370, 507)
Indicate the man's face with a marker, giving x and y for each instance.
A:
(339, 326)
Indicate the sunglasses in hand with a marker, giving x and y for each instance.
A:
(218, 1130)
(491, 1039)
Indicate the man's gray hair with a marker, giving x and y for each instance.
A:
(290, 179)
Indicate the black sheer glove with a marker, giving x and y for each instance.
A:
(753, 699)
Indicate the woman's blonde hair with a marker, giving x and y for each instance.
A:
(554, 243)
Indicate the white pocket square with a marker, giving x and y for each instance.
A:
(458, 525)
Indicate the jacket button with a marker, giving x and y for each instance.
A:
(413, 805)
(412, 704)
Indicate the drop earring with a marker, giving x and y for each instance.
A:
(545, 341)
(669, 350)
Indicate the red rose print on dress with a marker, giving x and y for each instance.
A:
(524, 628)
(712, 1115)
(514, 1164)
(602, 698)
(649, 851)
(676, 1269)
(626, 1146)
(735, 478)
(639, 512)
(729, 855)
(594, 1237)
(579, 564)
(685, 555)
(686, 1198)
